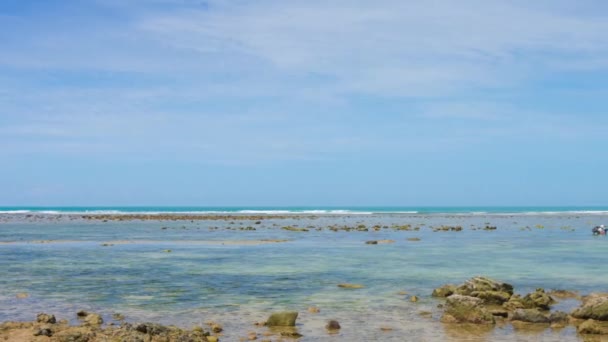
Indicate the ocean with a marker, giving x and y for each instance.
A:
(237, 271)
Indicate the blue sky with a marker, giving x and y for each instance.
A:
(190, 102)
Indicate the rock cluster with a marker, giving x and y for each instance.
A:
(91, 330)
(482, 300)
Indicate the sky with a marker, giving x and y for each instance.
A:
(303, 103)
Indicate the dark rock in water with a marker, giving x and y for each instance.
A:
(595, 306)
(350, 286)
(282, 319)
(45, 318)
(151, 328)
(444, 291)
(82, 314)
(466, 309)
(332, 325)
(500, 313)
(530, 316)
(44, 332)
(591, 326)
(372, 242)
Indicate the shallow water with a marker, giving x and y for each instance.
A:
(225, 275)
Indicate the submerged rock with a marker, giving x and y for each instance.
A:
(282, 319)
(350, 286)
(466, 309)
(332, 325)
(530, 316)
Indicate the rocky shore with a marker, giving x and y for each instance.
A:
(478, 301)
(482, 300)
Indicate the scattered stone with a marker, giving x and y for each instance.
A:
(332, 325)
(414, 299)
(46, 318)
(350, 286)
(216, 328)
(22, 295)
(291, 334)
(371, 242)
(44, 332)
(413, 239)
(314, 309)
(151, 329)
(386, 328)
(93, 319)
(282, 319)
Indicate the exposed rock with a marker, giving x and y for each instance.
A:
(217, 328)
(282, 319)
(414, 299)
(413, 239)
(22, 295)
(93, 319)
(530, 316)
(538, 299)
(591, 326)
(492, 297)
(45, 318)
(314, 309)
(151, 328)
(332, 325)
(74, 335)
(444, 291)
(595, 306)
(489, 290)
(371, 242)
(466, 309)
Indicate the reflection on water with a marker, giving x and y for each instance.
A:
(187, 273)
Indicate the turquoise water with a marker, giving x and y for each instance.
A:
(320, 210)
(215, 271)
